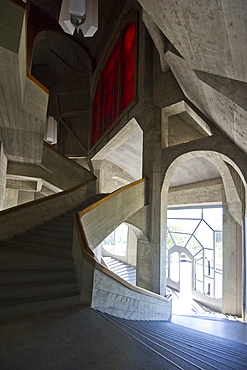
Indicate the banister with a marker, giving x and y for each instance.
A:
(88, 253)
(25, 216)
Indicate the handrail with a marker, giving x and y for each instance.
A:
(88, 253)
(27, 215)
(57, 195)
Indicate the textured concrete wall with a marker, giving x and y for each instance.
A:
(116, 299)
(232, 301)
(11, 198)
(100, 221)
(3, 170)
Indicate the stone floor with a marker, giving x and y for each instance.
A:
(188, 312)
(79, 338)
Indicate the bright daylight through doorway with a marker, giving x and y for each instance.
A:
(194, 254)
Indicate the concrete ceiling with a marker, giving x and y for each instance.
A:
(210, 38)
(194, 170)
(202, 42)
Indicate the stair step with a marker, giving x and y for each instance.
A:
(27, 284)
(187, 348)
(41, 241)
(35, 249)
(56, 226)
(51, 234)
(18, 292)
(25, 265)
(42, 305)
(35, 275)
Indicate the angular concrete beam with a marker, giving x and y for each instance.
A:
(158, 39)
(232, 89)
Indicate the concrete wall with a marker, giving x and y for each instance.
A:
(82, 186)
(99, 221)
(3, 170)
(114, 298)
(106, 292)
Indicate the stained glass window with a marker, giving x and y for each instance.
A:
(116, 84)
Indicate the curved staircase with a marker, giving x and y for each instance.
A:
(36, 268)
(122, 269)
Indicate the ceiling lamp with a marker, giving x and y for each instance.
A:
(80, 15)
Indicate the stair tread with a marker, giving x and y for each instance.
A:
(38, 283)
(45, 297)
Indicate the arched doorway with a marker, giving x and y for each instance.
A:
(233, 201)
(195, 253)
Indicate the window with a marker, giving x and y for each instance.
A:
(116, 85)
(116, 242)
(199, 230)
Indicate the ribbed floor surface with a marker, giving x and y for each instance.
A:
(185, 348)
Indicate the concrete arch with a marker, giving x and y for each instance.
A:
(234, 219)
(220, 161)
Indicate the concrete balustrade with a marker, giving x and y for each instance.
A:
(80, 186)
(100, 288)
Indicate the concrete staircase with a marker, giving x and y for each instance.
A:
(36, 268)
(184, 348)
(122, 269)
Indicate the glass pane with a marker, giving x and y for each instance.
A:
(205, 235)
(193, 246)
(186, 226)
(213, 216)
(174, 267)
(209, 262)
(218, 285)
(116, 242)
(169, 241)
(180, 239)
(195, 213)
(128, 65)
(209, 286)
(199, 270)
(218, 256)
(199, 286)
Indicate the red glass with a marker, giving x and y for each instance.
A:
(116, 87)
(128, 66)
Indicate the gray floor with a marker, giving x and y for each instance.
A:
(79, 338)
(75, 338)
(190, 313)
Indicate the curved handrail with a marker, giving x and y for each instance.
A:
(88, 253)
(25, 216)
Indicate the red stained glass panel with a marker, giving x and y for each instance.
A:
(116, 87)
(128, 66)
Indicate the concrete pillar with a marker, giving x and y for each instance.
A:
(3, 171)
(232, 265)
(131, 248)
(150, 120)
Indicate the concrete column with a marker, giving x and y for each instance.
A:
(232, 265)
(150, 120)
(3, 171)
(131, 248)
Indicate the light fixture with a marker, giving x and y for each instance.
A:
(80, 15)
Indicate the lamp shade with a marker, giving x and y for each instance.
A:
(77, 7)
